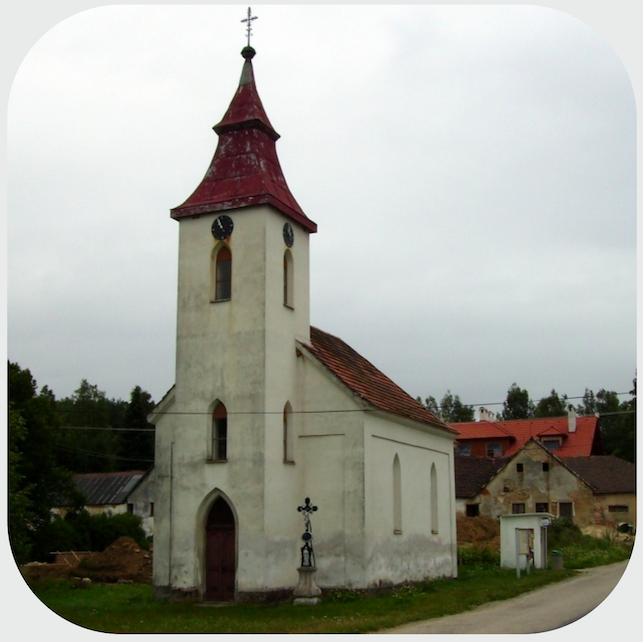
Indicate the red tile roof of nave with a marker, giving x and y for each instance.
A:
(583, 442)
(366, 381)
(245, 169)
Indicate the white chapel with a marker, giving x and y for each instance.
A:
(267, 411)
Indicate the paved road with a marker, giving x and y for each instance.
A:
(542, 610)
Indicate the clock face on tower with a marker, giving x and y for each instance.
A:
(222, 227)
(289, 235)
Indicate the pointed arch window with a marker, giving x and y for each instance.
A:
(434, 500)
(397, 496)
(288, 435)
(220, 433)
(222, 274)
(288, 280)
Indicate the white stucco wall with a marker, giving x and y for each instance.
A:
(423, 548)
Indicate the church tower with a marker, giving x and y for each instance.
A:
(243, 303)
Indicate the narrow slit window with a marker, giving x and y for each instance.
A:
(434, 500)
(220, 433)
(288, 436)
(288, 280)
(397, 496)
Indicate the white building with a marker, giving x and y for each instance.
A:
(267, 411)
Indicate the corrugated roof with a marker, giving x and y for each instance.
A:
(581, 443)
(366, 381)
(107, 488)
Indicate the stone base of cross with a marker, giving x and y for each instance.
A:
(307, 592)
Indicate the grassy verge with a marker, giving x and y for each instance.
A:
(583, 551)
(132, 608)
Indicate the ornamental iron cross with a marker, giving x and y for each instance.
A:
(248, 22)
(307, 552)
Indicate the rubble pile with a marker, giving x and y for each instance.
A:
(478, 530)
(122, 561)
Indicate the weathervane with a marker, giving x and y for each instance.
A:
(248, 22)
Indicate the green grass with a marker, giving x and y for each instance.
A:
(583, 551)
(132, 608)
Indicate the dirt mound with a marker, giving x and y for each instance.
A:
(124, 560)
(478, 530)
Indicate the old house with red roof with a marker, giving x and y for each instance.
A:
(570, 436)
(589, 489)
(267, 411)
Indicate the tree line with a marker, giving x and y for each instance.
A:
(617, 418)
(50, 440)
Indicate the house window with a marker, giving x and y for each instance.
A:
(288, 280)
(494, 450)
(542, 507)
(220, 433)
(434, 500)
(618, 509)
(565, 509)
(288, 436)
(545, 466)
(520, 468)
(517, 509)
(552, 444)
(473, 510)
(151, 509)
(464, 449)
(223, 275)
(397, 496)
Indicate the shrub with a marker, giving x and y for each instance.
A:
(477, 556)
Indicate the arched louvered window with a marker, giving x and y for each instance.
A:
(220, 433)
(223, 274)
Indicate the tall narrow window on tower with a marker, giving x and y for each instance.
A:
(223, 274)
(220, 433)
(288, 280)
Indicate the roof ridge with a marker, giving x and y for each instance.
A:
(367, 381)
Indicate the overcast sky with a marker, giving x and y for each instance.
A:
(472, 171)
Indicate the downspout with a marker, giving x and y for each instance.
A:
(170, 514)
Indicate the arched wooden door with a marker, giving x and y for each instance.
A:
(220, 553)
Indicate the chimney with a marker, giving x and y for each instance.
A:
(486, 415)
(571, 420)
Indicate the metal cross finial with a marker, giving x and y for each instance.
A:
(248, 22)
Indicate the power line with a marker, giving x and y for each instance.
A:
(101, 455)
(500, 403)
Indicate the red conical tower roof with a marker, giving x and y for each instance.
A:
(245, 169)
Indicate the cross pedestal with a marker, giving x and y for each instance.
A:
(307, 592)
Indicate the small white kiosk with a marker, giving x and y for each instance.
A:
(523, 541)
